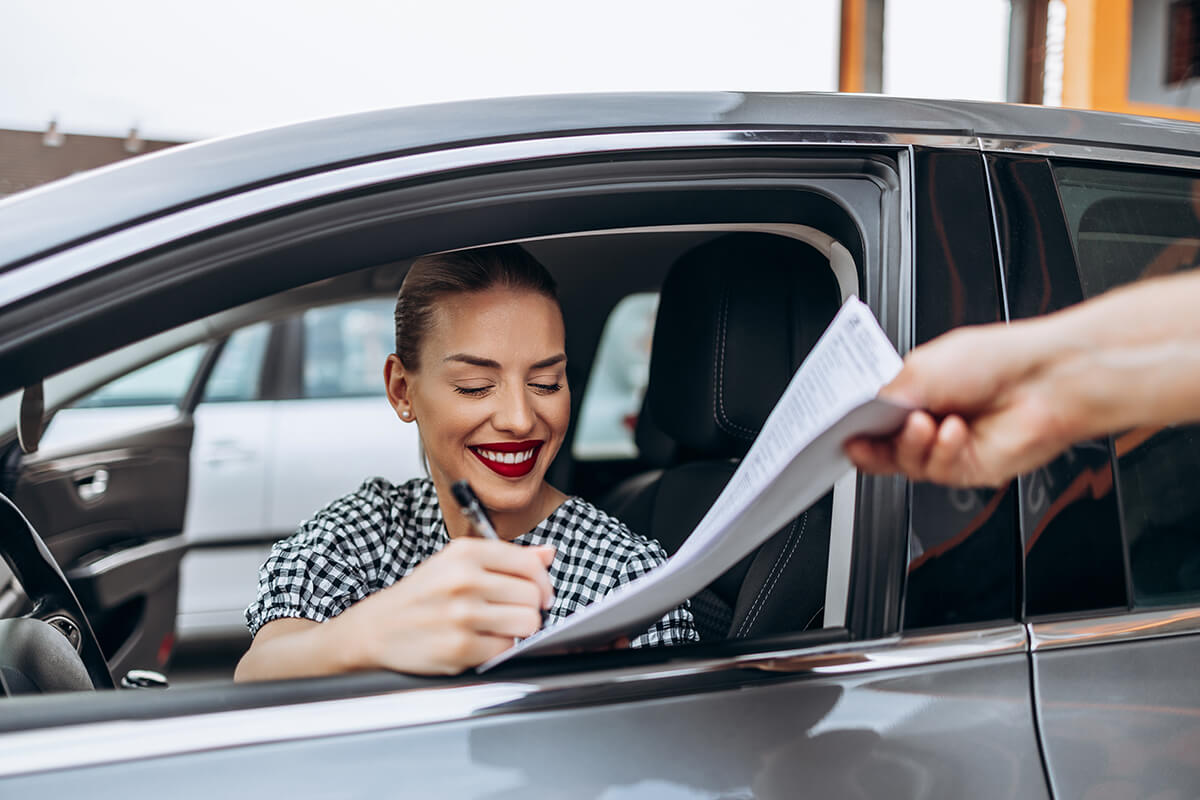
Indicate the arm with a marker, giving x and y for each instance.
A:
(456, 610)
(999, 400)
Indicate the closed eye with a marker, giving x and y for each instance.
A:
(472, 391)
(546, 388)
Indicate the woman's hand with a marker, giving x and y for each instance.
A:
(456, 610)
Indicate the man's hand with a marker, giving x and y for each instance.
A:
(991, 409)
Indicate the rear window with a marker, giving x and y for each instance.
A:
(613, 400)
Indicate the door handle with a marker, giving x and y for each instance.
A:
(92, 485)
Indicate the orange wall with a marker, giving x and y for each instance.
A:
(1096, 60)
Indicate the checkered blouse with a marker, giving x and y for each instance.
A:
(373, 537)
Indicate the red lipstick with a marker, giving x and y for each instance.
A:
(510, 459)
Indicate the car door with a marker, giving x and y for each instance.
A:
(108, 489)
(938, 705)
(1112, 559)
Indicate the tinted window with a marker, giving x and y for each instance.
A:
(1074, 554)
(1127, 226)
(617, 384)
(345, 347)
(239, 367)
(163, 382)
(962, 555)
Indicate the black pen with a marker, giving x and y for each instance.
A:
(472, 509)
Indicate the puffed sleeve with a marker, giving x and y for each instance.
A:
(317, 572)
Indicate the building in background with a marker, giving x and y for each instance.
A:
(29, 158)
(1129, 56)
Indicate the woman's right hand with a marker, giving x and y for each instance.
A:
(456, 610)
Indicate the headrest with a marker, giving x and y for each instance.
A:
(736, 317)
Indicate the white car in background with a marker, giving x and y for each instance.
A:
(289, 413)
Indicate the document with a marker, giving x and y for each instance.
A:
(795, 460)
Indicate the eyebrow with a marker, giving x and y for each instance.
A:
(477, 361)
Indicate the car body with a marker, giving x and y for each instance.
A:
(1031, 641)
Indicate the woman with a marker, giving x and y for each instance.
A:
(389, 577)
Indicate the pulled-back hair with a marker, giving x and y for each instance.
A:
(434, 277)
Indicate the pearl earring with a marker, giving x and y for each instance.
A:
(406, 414)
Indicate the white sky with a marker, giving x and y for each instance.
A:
(189, 70)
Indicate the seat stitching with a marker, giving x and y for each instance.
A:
(777, 570)
(786, 561)
(719, 378)
(763, 590)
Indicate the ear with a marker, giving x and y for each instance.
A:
(399, 390)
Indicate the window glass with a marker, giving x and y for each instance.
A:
(345, 347)
(608, 414)
(163, 382)
(1128, 226)
(238, 370)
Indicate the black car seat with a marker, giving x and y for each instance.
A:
(736, 317)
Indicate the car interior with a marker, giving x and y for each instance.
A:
(740, 305)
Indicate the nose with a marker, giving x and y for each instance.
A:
(514, 414)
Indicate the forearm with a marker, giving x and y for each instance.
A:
(300, 651)
(1130, 357)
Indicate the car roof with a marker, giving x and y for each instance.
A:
(72, 210)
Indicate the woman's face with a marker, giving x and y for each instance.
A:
(491, 397)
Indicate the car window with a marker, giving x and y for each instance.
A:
(613, 399)
(237, 373)
(162, 382)
(345, 346)
(1127, 226)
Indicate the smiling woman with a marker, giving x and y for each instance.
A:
(389, 576)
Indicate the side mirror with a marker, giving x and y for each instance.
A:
(29, 422)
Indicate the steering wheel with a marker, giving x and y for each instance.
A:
(53, 647)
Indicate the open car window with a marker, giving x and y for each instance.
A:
(813, 264)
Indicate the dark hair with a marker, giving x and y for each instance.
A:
(433, 277)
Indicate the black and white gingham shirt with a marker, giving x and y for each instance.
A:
(373, 537)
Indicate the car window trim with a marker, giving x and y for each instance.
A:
(35, 277)
(1091, 153)
(1123, 626)
(110, 742)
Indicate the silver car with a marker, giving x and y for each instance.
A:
(896, 639)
